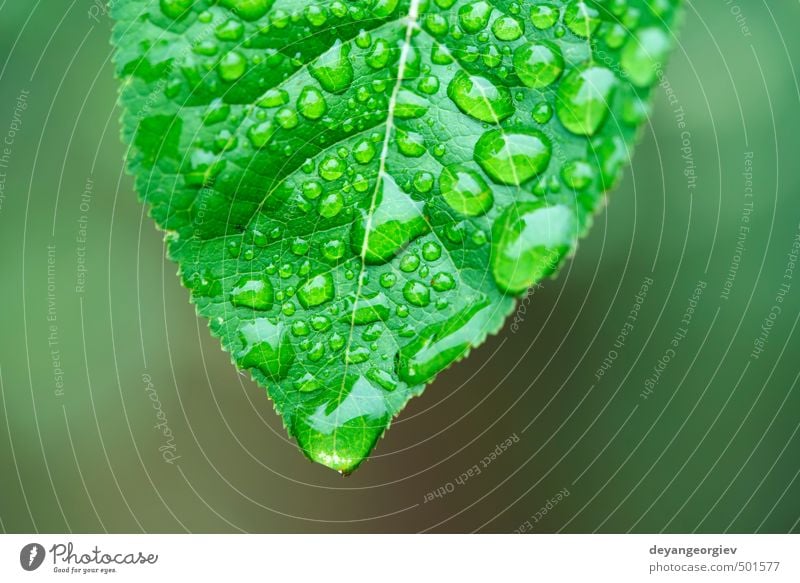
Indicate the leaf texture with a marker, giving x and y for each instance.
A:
(356, 192)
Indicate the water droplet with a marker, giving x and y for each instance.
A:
(230, 30)
(368, 310)
(266, 347)
(364, 151)
(507, 28)
(316, 291)
(542, 112)
(286, 118)
(465, 191)
(378, 57)
(538, 64)
(320, 323)
(316, 15)
(443, 282)
(336, 342)
(312, 189)
(529, 240)
(260, 134)
(612, 153)
(252, 293)
(311, 103)
(439, 345)
(474, 17)
(644, 55)
(383, 8)
(273, 98)
(316, 352)
(577, 174)
(331, 205)
(480, 98)
(512, 158)
(423, 181)
(411, 144)
(543, 16)
(333, 250)
(583, 98)
(333, 69)
(248, 9)
(217, 112)
(431, 251)
(417, 293)
(308, 383)
(176, 8)
(332, 168)
(428, 84)
(582, 18)
(409, 263)
(232, 66)
(388, 280)
(436, 24)
(382, 378)
(409, 105)
(356, 355)
(396, 220)
(440, 55)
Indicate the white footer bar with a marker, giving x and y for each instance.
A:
(389, 558)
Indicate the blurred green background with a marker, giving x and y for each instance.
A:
(98, 339)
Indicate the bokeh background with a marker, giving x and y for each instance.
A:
(98, 340)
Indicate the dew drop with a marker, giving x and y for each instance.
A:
(409, 105)
(465, 191)
(311, 103)
(439, 345)
(331, 205)
(266, 347)
(542, 112)
(333, 69)
(544, 16)
(317, 290)
(175, 8)
(480, 98)
(644, 55)
(417, 293)
(273, 98)
(583, 98)
(411, 144)
(442, 282)
(507, 28)
(382, 378)
(577, 174)
(248, 9)
(409, 263)
(512, 158)
(252, 293)
(474, 17)
(369, 310)
(232, 66)
(333, 250)
(538, 64)
(308, 383)
(260, 134)
(431, 251)
(582, 18)
(332, 168)
(529, 240)
(396, 221)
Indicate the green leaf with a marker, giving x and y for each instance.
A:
(356, 192)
